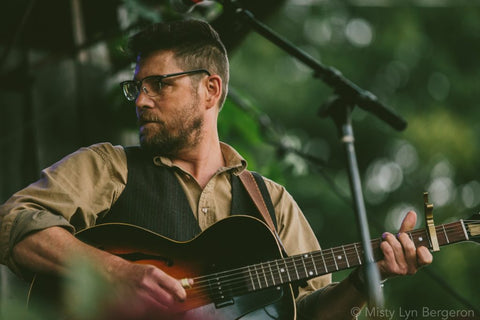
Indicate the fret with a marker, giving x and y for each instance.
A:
(352, 255)
(324, 263)
(271, 273)
(258, 277)
(341, 259)
(445, 233)
(308, 271)
(251, 278)
(358, 255)
(295, 266)
(464, 230)
(280, 271)
(346, 257)
(454, 232)
(264, 275)
(430, 245)
(304, 265)
(410, 235)
(334, 259)
(303, 271)
(314, 264)
(288, 271)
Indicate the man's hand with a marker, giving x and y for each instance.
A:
(401, 257)
(138, 291)
(145, 291)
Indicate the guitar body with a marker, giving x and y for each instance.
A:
(229, 244)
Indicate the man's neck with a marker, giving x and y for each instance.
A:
(201, 162)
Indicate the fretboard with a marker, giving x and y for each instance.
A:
(302, 267)
(317, 263)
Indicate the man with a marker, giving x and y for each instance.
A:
(180, 84)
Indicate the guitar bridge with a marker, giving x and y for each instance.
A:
(224, 303)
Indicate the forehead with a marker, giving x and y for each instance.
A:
(156, 63)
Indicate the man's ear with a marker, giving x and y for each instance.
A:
(213, 90)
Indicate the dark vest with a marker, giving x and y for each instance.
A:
(154, 199)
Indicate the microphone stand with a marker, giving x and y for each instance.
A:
(339, 108)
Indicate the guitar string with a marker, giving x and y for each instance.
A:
(440, 228)
(266, 265)
(340, 248)
(232, 291)
(292, 259)
(239, 289)
(263, 274)
(264, 269)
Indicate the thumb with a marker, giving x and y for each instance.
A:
(408, 222)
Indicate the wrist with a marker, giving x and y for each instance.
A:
(357, 279)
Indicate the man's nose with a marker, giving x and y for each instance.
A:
(143, 100)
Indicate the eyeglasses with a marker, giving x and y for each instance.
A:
(151, 85)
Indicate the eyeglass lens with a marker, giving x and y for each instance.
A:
(151, 85)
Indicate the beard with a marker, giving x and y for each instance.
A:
(182, 131)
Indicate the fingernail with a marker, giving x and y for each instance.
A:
(384, 235)
(181, 297)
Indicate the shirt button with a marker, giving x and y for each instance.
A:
(204, 210)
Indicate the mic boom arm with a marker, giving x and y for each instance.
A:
(343, 87)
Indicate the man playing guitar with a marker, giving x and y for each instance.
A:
(178, 183)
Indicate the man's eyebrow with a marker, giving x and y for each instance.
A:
(135, 78)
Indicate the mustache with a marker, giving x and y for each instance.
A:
(145, 118)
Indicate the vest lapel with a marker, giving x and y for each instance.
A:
(154, 199)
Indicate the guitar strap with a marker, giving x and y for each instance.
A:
(248, 181)
(250, 184)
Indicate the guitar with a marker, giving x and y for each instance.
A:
(239, 274)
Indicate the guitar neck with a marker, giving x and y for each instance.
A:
(317, 263)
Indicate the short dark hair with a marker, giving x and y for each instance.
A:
(195, 44)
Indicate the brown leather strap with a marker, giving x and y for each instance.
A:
(246, 177)
(252, 188)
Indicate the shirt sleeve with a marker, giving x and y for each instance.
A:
(71, 193)
(295, 233)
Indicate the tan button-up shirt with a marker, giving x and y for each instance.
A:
(83, 186)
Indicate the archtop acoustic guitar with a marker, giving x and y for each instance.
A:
(237, 266)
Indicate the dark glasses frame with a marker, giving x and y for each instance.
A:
(137, 84)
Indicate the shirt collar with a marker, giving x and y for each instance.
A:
(233, 160)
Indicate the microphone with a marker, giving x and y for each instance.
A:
(186, 6)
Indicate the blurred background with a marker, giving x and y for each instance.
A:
(61, 61)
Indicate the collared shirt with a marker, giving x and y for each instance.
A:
(83, 186)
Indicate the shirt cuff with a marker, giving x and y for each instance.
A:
(307, 304)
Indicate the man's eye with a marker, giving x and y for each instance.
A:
(166, 82)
